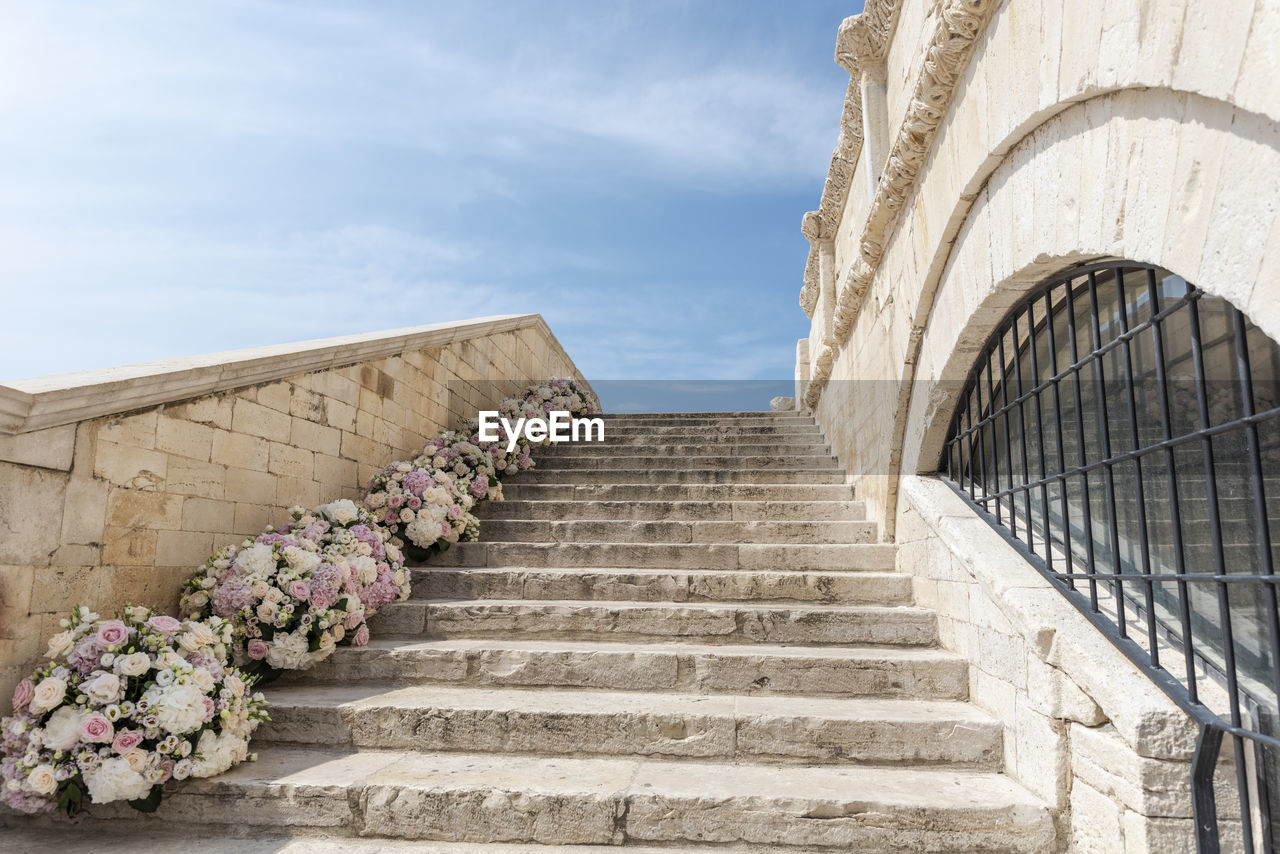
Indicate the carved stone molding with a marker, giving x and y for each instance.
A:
(959, 23)
(861, 39)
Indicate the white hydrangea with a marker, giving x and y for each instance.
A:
(257, 561)
(114, 780)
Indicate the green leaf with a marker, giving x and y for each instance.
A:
(151, 802)
(69, 798)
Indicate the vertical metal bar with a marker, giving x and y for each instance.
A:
(1044, 468)
(1203, 806)
(968, 427)
(1091, 566)
(1126, 353)
(979, 427)
(990, 421)
(1261, 522)
(1175, 509)
(1022, 432)
(1108, 476)
(1008, 441)
(1059, 439)
(1219, 565)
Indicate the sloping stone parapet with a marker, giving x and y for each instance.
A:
(115, 484)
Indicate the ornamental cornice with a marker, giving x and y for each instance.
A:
(947, 54)
(861, 38)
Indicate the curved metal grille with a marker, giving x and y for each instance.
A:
(1121, 428)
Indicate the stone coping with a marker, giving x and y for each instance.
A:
(59, 399)
(1143, 716)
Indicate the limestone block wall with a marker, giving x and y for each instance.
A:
(1023, 137)
(1084, 729)
(115, 484)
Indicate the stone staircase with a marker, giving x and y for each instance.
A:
(685, 638)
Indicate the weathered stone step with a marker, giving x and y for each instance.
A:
(699, 418)
(711, 413)
(850, 557)
(855, 671)
(706, 622)
(689, 726)
(669, 449)
(519, 490)
(741, 511)
(502, 798)
(672, 531)
(721, 463)
(39, 837)
(683, 474)
(710, 433)
(629, 438)
(663, 585)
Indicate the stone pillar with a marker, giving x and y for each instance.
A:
(802, 371)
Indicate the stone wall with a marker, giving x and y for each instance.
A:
(1084, 729)
(115, 484)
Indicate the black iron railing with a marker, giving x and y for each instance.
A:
(1122, 429)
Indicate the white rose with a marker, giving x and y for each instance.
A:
(234, 684)
(41, 780)
(196, 601)
(48, 694)
(376, 500)
(200, 631)
(341, 511)
(406, 515)
(60, 644)
(114, 780)
(62, 730)
(133, 665)
(365, 569)
(267, 612)
(202, 679)
(259, 589)
(137, 759)
(105, 689)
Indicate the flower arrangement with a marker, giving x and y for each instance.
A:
(427, 501)
(294, 593)
(121, 707)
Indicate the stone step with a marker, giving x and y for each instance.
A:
(706, 622)
(663, 585)
(672, 531)
(40, 837)
(847, 557)
(473, 797)
(662, 474)
(851, 671)
(713, 414)
(722, 463)
(710, 433)
(652, 511)
(688, 726)
(669, 449)
(697, 418)
(518, 490)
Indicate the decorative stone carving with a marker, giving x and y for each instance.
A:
(959, 23)
(782, 404)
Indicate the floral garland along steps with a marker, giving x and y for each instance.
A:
(123, 705)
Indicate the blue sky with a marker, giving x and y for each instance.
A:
(180, 178)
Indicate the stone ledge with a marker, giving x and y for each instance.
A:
(1143, 717)
(53, 401)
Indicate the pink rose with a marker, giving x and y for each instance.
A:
(445, 530)
(414, 502)
(95, 727)
(22, 694)
(300, 590)
(362, 635)
(455, 512)
(126, 740)
(257, 649)
(209, 709)
(112, 633)
(320, 601)
(353, 619)
(164, 624)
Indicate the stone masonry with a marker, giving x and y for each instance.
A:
(686, 637)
